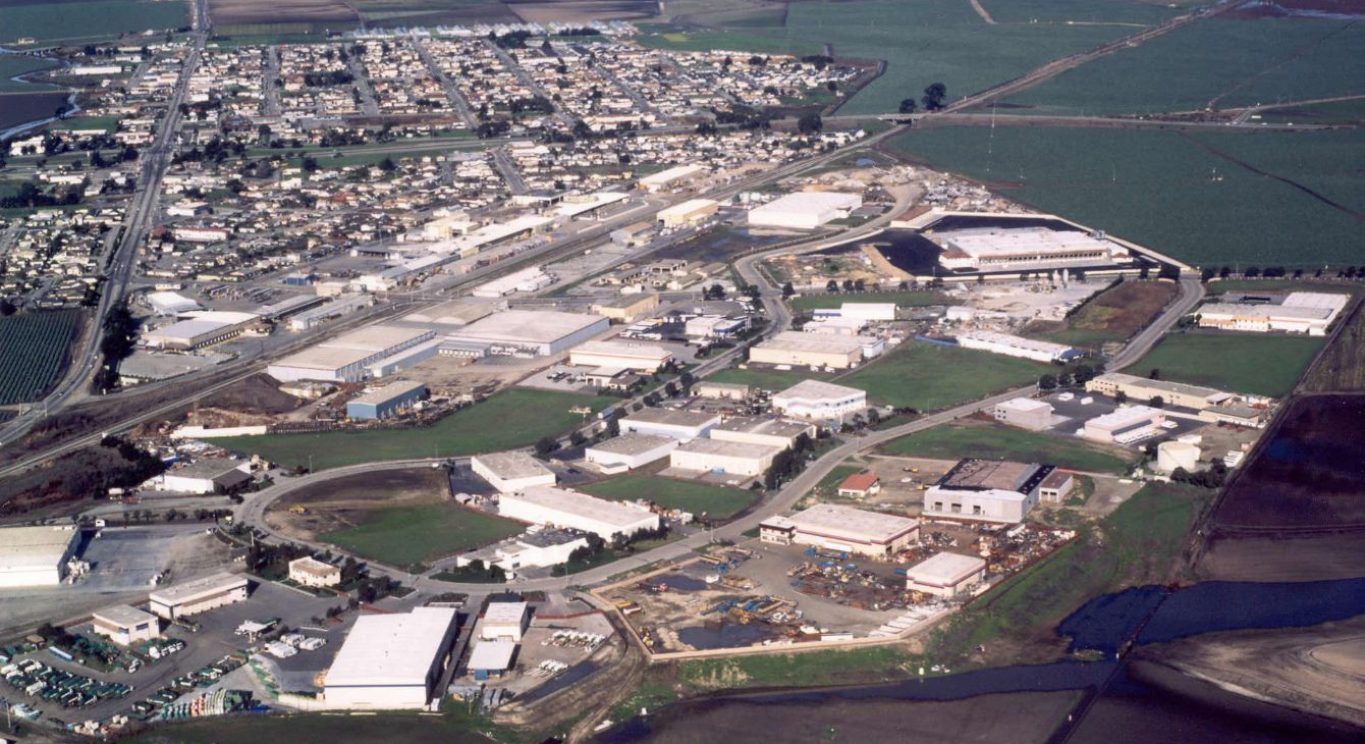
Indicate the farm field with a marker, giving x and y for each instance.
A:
(995, 442)
(715, 501)
(89, 20)
(1254, 363)
(1115, 314)
(21, 108)
(11, 65)
(929, 377)
(902, 299)
(766, 378)
(1218, 286)
(411, 728)
(1238, 63)
(510, 419)
(1342, 368)
(1168, 191)
(36, 348)
(410, 535)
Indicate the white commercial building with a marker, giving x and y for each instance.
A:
(536, 548)
(843, 529)
(348, 357)
(825, 402)
(204, 328)
(36, 556)
(200, 595)
(984, 505)
(126, 625)
(730, 458)
(767, 430)
(690, 212)
(629, 451)
(638, 357)
(310, 571)
(526, 280)
(562, 508)
(671, 178)
(530, 332)
(1299, 312)
(1025, 413)
(945, 574)
(1141, 389)
(392, 661)
(1016, 346)
(809, 350)
(1015, 248)
(503, 621)
(722, 390)
(869, 312)
(667, 422)
(511, 471)
(170, 303)
(206, 475)
(1124, 425)
(804, 210)
(491, 659)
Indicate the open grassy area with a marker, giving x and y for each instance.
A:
(89, 21)
(409, 535)
(1115, 314)
(1342, 368)
(1222, 286)
(11, 66)
(806, 669)
(715, 501)
(929, 377)
(510, 419)
(1213, 209)
(1138, 544)
(995, 442)
(1255, 363)
(837, 299)
(766, 378)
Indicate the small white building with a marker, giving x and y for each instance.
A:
(392, 661)
(562, 508)
(825, 402)
(629, 451)
(1124, 425)
(637, 357)
(206, 475)
(667, 422)
(945, 574)
(717, 456)
(511, 471)
(766, 430)
(843, 529)
(200, 595)
(490, 659)
(503, 621)
(722, 391)
(126, 625)
(1025, 413)
(309, 571)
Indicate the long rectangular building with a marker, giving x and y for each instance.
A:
(809, 350)
(638, 357)
(1016, 346)
(35, 556)
(667, 422)
(348, 357)
(717, 456)
(1013, 248)
(392, 661)
(1141, 389)
(386, 401)
(563, 508)
(530, 332)
(842, 528)
(1298, 312)
(200, 595)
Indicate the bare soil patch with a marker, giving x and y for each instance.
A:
(1115, 314)
(582, 11)
(228, 12)
(256, 395)
(346, 502)
(1283, 557)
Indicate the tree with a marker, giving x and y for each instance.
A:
(1157, 402)
(1154, 374)
(933, 96)
(832, 287)
(788, 290)
(546, 445)
(577, 439)
(387, 165)
(1047, 382)
(1120, 397)
(809, 124)
(6, 308)
(908, 106)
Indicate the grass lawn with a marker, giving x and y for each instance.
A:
(1255, 363)
(716, 501)
(806, 669)
(510, 419)
(837, 299)
(1115, 314)
(929, 377)
(766, 378)
(407, 535)
(994, 442)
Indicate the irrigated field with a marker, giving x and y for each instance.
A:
(1115, 314)
(1254, 363)
(511, 419)
(409, 535)
(1195, 197)
(929, 377)
(36, 346)
(90, 20)
(994, 442)
(1342, 367)
(699, 498)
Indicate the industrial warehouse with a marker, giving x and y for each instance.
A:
(1020, 248)
(392, 661)
(629, 451)
(723, 458)
(1142, 389)
(1309, 313)
(987, 491)
(1017, 346)
(200, 595)
(353, 356)
(386, 401)
(622, 355)
(511, 471)
(36, 556)
(563, 508)
(809, 350)
(823, 402)
(527, 332)
(805, 210)
(842, 529)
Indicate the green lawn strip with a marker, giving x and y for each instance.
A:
(408, 535)
(798, 669)
(930, 377)
(1254, 363)
(716, 501)
(836, 476)
(995, 442)
(766, 378)
(510, 419)
(837, 299)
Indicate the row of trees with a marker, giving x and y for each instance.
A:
(933, 99)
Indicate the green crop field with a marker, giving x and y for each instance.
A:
(409, 535)
(716, 501)
(993, 442)
(929, 377)
(510, 419)
(837, 299)
(766, 378)
(89, 21)
(1254, 363)
(1188, 196)
(1218, 63)
(36, 348)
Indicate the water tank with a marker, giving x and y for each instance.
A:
(1172, 455)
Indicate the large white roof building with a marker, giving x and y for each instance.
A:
(945, 574)
(348, 357)
(511, 471)
(564, 508)
(1010, 248)
(1298, 312)
(804, 210)
(826, 402)
(809, 350)
(842, 528)
(629, 451)
(667, 422)
(391, 661)
(533, 332)
(35, 556)
(717, 456)
(623, 354)
(1016, 346)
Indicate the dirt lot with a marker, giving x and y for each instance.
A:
(227, 12)
(62, 486)
(1283, 557)
(341, 503)
(1342, 365)
(256, 395)
(582, 11)
(1114, 314)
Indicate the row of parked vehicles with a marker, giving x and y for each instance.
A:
(58, 686)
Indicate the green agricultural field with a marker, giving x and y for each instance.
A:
(1236, 63)
(107, 123)
(902, 299)
(511, 419)
(89, 21)
(806, 669)
(36, 349)
(929, 377)
(11, 66)
(994, 442)
(1255, 363)
(715, 501)
(766, 378)
(1186, 195)
(409, 535)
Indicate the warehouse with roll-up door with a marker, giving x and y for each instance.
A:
(562, 508)
(530, 332)
(348, 357)
(730, 458)
(36, 556)
(200, 595)
(843, 529)
(392, 661)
